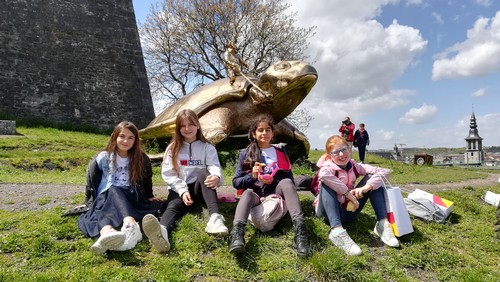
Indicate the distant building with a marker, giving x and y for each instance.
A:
(474, 154)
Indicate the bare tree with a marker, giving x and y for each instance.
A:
(184, 41)
(300, 118)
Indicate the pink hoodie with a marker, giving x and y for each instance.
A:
(341, 181)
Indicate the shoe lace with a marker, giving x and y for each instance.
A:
(387, 231)
(218, 220)
(345, 241)
(302, 232)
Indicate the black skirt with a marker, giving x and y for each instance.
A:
(112, 206)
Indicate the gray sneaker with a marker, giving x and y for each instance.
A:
(384, 231)
(343, 241)
(156, 232)
(109, 241)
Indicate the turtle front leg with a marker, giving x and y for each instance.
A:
(214, 135)
(215, 125)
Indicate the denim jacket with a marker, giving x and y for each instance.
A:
(99, 173)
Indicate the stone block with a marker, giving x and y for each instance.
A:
(7, 127)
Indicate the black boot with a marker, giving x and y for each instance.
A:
(301, 240)
(237, 238)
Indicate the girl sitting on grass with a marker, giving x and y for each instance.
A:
(337, 176)
(192, 172)
(119, 192)
(274, 177)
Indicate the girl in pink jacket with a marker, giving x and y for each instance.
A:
(339, 201)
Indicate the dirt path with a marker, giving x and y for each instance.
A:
(19, 197)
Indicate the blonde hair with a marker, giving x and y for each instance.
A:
(176, 143)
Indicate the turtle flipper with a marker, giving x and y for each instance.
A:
(215, 135)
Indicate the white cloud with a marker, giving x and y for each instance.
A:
(357, 59)
(420, 115)
(414, 2)
(480, 92)
(438, 18)
(485, 3)
(477, 56)
(385, 135)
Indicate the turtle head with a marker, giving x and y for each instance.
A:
(284, 85)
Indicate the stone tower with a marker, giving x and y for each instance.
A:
(474, 154)
(73, 61)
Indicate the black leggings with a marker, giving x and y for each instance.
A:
(176, 208)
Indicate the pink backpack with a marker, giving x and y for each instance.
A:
(266, 215)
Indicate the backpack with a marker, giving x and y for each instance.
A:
(425, 209)
(314, 188)
(267, 214)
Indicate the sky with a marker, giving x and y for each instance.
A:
(412, 70)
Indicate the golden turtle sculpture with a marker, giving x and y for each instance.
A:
(228, 111)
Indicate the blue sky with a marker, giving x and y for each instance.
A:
(411, 70)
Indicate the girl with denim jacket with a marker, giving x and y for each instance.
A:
(119, 192)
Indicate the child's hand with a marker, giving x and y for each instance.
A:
(256, 169)
(186, 198)
(353, 199)
(361, 191)
(266, 178)
(212, 181)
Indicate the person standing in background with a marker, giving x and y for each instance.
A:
(361, 140)
(347, 130)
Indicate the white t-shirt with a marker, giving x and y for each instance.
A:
(121, 175)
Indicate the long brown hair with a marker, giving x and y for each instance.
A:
(254, 154)
(135, 158)
(176, 143)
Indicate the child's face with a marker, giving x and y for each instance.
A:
(188, 130)
(125, 141)
(263, 134)
(341, 154)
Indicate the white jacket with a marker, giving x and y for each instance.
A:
(192, 158)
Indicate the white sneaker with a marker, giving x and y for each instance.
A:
(111, 240)
(156, 232)
(384, 231)
(134, 235)
(343, 241)
(216, 225)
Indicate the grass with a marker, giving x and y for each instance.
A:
(43, 246)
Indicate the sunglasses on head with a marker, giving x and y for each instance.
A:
(338, 151)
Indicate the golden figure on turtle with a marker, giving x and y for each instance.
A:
(233, 62)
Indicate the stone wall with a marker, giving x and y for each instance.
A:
(74, 61)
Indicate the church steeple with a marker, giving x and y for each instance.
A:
(473, 134)
(474, 151)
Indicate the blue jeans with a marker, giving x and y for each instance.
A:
(330, 208)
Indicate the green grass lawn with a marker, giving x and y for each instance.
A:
(43, 246)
